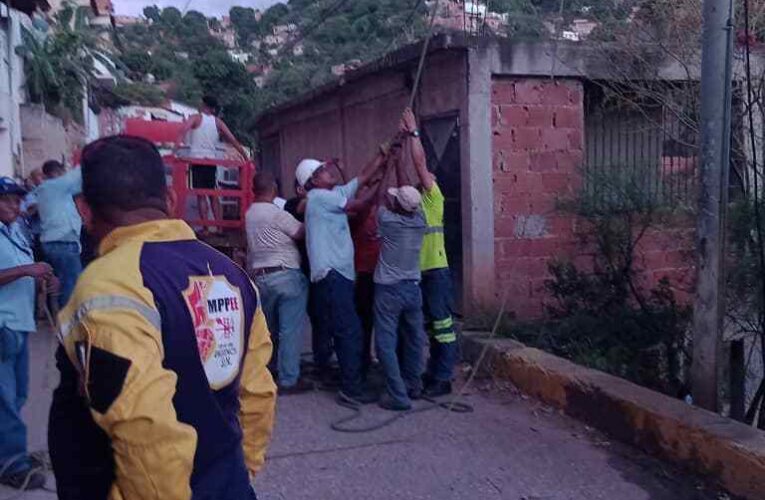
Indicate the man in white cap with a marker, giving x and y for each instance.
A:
(398, 301)
(330, 251)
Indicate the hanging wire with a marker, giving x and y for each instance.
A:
(424, 53)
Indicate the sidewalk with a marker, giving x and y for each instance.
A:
(511, 447)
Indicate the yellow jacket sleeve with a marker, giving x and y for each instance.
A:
(258, 395)
(120, 354)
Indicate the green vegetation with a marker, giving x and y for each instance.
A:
(603, 314)
(180, 51)
(60, 64)
(179, 54)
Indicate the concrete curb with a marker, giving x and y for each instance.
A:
(694, 438)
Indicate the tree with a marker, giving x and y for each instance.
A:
(229, 81)
(245, 23)
(60, 65)
(271, 17)
(138, 62)
(152, 13)
(171, 17)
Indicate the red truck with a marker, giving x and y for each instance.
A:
(227, 233)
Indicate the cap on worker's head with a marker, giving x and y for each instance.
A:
(10, 186)
(407, 196)
(306, 169)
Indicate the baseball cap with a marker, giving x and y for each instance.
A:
(408, 197)
(306, 169)
(10, 186)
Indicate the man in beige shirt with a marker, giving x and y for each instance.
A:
(274, 263)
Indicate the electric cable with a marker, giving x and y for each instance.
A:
(452, 406)
(423, 55)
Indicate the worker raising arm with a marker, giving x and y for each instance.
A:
(169, 340)
(436, 284)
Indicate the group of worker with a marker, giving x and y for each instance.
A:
(165, 390)
(373, 251)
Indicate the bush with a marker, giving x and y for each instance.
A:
(598, 322)
(140, 93)
(602, 316)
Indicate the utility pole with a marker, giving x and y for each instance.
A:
(709, 306)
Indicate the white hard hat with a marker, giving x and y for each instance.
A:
(306, 169)
(408, 197)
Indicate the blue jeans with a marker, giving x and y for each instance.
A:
(398, 308)
(14, 389)
(438, 298)
(64, 256)
(337, 316)
(284, 297)
(321, 338)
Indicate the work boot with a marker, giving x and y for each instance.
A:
(329, 379)
(25, 479)
(438, 388)
(388, 403)
(300, 387)
(415, 394)
(365, 397)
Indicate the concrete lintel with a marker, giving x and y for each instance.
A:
(477, 175)
(593, 61)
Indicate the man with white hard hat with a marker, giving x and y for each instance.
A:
(330, 251)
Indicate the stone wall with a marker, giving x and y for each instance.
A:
(538, 149)
(45, 137)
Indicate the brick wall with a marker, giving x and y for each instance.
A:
(538, 147)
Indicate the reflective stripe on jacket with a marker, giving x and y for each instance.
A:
(172, 347)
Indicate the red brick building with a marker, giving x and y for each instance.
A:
(506, 129)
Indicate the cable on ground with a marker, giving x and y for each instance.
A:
(339, 425)
(451, 406)
(38, 457)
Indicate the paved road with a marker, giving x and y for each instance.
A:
(511, 447)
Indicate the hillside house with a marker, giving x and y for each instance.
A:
(508, 128)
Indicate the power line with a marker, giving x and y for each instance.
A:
(423, 55)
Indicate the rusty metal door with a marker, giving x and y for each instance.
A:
(441, 140)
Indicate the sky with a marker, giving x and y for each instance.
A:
(209, 7)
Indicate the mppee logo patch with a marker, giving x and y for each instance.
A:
(216, 312)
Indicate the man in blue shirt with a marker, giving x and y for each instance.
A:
(330, 251)
(18, 274)
(61, 224)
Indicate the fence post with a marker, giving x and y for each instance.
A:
(737, 380)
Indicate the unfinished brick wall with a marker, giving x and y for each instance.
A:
(538, 146)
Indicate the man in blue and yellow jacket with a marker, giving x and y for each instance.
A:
(169, 343)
